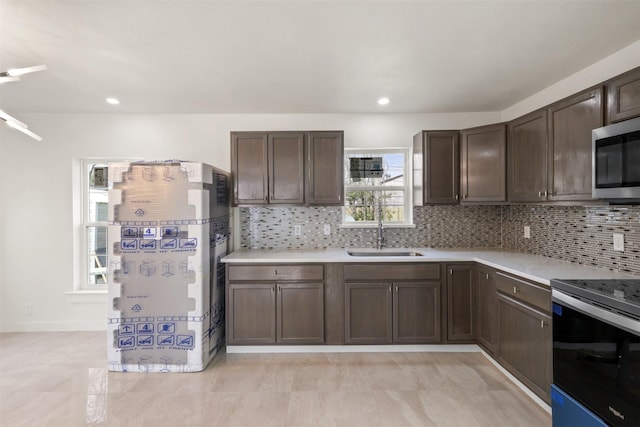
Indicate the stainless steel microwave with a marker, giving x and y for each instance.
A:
(616, 162)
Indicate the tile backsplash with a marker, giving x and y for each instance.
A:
(579, 234)
(438, 226)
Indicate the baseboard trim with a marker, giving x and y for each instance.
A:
(39, 326)
(409, 348)
(517, 382)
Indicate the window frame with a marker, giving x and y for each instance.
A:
(82, 224)
(407, 188)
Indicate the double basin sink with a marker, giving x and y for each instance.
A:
(382, 253)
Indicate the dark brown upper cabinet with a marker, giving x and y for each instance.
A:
(623, 96)
(528, 157)
(483, 164)
(570, 123)
(287, 168)
(267, 168)
(436, 167)
(325, 184)
(249, 167)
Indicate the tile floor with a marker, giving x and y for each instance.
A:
(60, 379)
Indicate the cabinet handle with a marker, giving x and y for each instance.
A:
(339, 197)
(465, 196)
(487, 276)
(456, 197)
(272, 290)
(539, 193)
(389, 288)
(451, 272)
(542, 323)
(276, 271)
(546, 193)
(515, 290)
(396, 289)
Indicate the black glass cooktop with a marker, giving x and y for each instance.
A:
(620, 295)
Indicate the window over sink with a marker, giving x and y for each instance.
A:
(377, 183)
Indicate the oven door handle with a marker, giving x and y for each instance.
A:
(626, 323)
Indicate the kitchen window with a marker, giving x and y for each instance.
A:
(377, 184)
(91, 215)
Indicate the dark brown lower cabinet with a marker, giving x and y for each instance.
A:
(461, 303)
(251, 313)
(368, 313)
(269, 313)
(416, 312)
(402, 312)
(525, 346)
(487, 309)
(300, 313)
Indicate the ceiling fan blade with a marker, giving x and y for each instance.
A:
(14, 72)
(11, 120)
(7, 79)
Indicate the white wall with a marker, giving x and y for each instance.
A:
(611, 66)
(37, 202)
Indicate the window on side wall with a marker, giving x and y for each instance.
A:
(377, 184)
(92, 216)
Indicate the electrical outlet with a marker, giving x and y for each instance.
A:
(527, 232)
(297, 230)
(327, 229)
(618, 242)
(254, 228)
(28, 309)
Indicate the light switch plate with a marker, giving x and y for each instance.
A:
(297, 230)
(527, 232)
(618, 242)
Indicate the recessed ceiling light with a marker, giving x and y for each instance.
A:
(112, 101)
(383, 101)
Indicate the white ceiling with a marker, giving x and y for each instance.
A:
(300, 56)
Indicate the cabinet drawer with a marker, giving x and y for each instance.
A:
(525, 291)
(276, 272)
(395, 271)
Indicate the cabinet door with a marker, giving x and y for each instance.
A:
(487, 309)
(525, 347)
(439, 177)
(251, 313)
(286, 168)
(570, 124)
(416, 312)
(527, 164)
(325, 160)
(368, 313)
(300, 313)
(461, 301)
(623, 95)
(249, 166)
(483, 164)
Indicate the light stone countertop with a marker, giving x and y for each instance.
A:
(533, 267)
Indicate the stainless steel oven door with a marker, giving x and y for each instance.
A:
(596, 359)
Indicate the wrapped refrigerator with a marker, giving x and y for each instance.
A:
(169, 226)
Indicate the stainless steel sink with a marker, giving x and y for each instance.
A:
(389, 253)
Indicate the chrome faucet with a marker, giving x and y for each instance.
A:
(380, 242)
